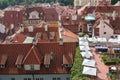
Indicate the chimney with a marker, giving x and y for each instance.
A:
(114, 15)
(46, 27)
(61, 41)
(12, 28)
(60, 37)
(59, 17)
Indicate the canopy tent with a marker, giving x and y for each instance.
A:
(111, 40)
(89, 71)
(118, 49)
(87, 62)
(92, 39)
(113, 68)
(82, 43)
(84, 48)
(86, 54)
(101, 39)
(83, 39)
(101, 48)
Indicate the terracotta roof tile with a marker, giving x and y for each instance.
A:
(32, 57)
(19, 38)
(68, 33)
(68, 58)
(3, 59)
(50, 14)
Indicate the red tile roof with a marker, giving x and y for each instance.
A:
(32, 53)
(19, 38)
(50, 14)
(3, 59)
(13, 17)
(32, 57)
(68, 33)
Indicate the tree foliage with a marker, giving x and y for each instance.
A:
(5, 3)
(113, 1)
(76, 70)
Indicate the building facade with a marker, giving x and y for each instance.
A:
(84, 2)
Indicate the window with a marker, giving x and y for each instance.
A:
(41, 78)
(32, 67)
(37, 78)
(54, 78)
(58, 78)
(29, 78)
(104, 32)
(25, 78)
(12, 78)
(68, 78)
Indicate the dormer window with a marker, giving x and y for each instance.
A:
(34, 15)
(19, 61)
(67, 60)
(67, 18)
(3, 61)
(47, 60)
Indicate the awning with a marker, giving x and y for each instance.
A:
(85, 48)
(101, 47)
(89, 71)
(87, 62)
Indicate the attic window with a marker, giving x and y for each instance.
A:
(19, 61)
(3, 61)
(47, 60)
(52, 35)
(33, 67)
(67, 18)
(104, 32)
(67, 60)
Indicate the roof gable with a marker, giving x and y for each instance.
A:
(32, 57)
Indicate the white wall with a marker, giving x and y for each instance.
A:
(105, 28)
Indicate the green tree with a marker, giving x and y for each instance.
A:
(76, 70)
(113, 1)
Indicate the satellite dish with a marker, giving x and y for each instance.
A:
(2, 28)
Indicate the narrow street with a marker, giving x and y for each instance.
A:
(102, 69)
